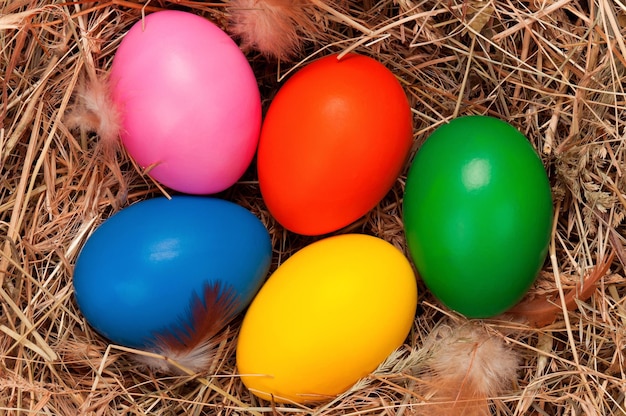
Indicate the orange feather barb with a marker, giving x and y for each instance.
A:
(273, 27)
(191, 342)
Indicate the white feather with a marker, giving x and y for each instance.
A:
(168, 361)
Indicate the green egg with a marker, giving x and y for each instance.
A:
(477, 215)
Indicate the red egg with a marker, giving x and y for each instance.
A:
(333, 143)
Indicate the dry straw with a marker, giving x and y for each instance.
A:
(553, 68)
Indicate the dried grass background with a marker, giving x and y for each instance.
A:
(554, 69)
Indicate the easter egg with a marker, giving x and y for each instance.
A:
(332, 144)
(139, 271)
(477, 215)
(189, 102)
(328, 316)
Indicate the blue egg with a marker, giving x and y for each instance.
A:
(139, 270)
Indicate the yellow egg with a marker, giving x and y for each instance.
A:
(326, 317)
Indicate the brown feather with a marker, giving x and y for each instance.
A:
(273, 27)
(542, 311)
(190, 342)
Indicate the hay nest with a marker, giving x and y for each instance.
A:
(555, 69)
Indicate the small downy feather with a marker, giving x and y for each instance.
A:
(273, 27)
(93, 110)
(467, 367)
(191, 342)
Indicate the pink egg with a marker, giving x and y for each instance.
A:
(189, 101)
